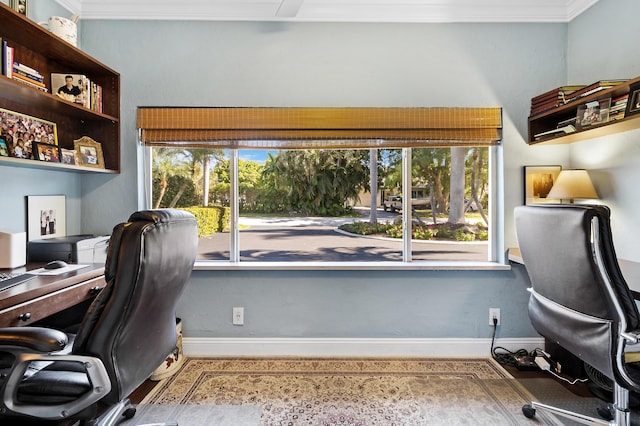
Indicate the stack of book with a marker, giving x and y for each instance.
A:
(553, 98)
(28, 76)
(593, 88)
(618, 107)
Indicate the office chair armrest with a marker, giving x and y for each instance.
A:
(95, 370)
(632, 337)
(37, 339)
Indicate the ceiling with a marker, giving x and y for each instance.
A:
(428, 11)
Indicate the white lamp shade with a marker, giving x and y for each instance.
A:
(573, 184)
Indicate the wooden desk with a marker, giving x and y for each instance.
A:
(630, 270)
(45, 295)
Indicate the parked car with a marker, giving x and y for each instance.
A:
(394, 203)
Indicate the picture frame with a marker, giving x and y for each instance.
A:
(592, 113)
(633, 101)
(88, 152)
(46, 152)
(46, 216)
(538, 181)
(4, 148)
(23, 130)
(19, 6)
(68, 156)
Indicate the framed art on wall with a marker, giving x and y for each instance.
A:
(46, 216)
(538, 181)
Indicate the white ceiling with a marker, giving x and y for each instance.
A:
(333, 10)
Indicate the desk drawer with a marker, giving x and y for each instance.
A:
(41, 307)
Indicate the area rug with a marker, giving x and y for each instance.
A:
(353, 392)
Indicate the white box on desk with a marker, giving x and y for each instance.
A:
(13, 249)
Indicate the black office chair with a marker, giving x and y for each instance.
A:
(579, 298)
(126, 334)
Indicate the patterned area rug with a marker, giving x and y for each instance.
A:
(353, 392)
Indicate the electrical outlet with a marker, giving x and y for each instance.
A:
(494, 313)
(238, 316)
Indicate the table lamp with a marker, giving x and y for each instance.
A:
(572, 184)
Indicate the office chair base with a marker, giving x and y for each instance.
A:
(529, 411)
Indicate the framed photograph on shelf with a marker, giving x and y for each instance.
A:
(4, 148)
(22, 131)
(46, 152)
(538, 181)
(633, 102)
(88, 152)
(67, 156)
(19, 6)
(595, 112)
(46, 216)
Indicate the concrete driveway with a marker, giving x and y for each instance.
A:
(310, 239)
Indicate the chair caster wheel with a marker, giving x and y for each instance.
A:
(605, 411)
(129, 413)
(528, 411)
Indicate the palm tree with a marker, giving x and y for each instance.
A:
(166, 163)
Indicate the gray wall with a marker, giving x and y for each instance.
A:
(612, 161)
(260, 64)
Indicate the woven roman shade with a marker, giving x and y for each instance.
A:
(310, 128)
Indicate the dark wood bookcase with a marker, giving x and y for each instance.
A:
(37, 48)
(548, 120)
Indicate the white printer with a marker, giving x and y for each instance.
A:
(74, 248)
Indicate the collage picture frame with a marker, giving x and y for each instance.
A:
(24, 132)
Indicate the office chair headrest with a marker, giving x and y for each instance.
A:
(155, 216)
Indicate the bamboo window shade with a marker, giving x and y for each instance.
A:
(318, 128)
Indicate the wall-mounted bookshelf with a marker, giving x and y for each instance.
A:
(37, 48)
(562, 124)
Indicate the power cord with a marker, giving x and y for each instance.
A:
(510, 358)
(507, 357)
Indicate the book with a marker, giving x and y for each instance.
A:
(17, 76)
(29, 83)
(557, 93)
(29, 76)
(553, 98)
(594, 87)
(569, 128)
(7, 58)
(25, 68)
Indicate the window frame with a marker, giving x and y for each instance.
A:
(330, 128)
(496, 256)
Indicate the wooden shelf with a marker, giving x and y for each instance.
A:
(36, 164)
(37, 48)
(549, 120)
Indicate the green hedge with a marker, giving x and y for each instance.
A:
(210, 219)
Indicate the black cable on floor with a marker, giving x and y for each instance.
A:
(507, 357)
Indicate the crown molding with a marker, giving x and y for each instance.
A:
(409, 11)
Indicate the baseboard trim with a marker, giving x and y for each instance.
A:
(325, 347)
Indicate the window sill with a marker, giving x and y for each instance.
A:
(358, 266)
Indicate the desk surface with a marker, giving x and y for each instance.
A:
(56, 292)
(630, 270)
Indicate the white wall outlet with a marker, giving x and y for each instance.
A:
(494, 313)
(238, 316)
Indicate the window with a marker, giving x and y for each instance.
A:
(308, 199)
